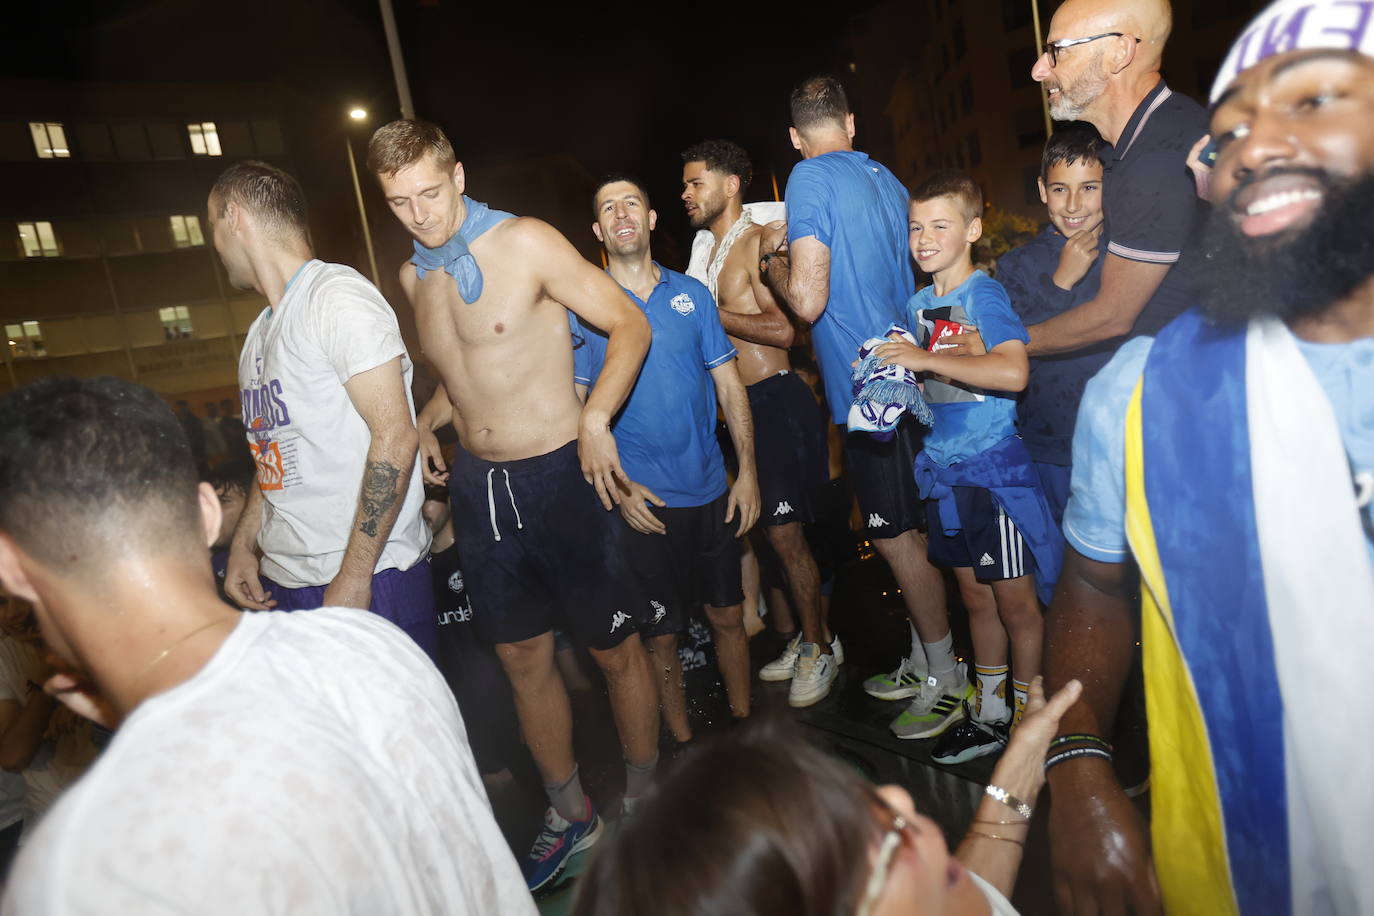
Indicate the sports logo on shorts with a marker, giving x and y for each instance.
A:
(683, 304)
(784, 508)
(619, 618)
(659, 611)
(876, 521)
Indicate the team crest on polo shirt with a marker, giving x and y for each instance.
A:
(683, 304)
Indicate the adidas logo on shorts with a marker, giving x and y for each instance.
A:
(784, 508)
(987, 560)
(876, 521)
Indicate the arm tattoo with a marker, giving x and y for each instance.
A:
(379, 494)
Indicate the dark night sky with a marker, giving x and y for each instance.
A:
(618, 87)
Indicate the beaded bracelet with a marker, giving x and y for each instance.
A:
(1082, 738)
(1072, 753)
(1011, 801)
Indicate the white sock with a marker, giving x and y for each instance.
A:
(940, 659)
(918, 654)
(992, 693)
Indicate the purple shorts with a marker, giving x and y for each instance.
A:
(406, 598)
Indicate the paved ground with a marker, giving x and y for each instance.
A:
(870, 620)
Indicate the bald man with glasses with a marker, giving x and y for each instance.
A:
(1101, 64)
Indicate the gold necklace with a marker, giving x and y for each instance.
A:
(168, 651)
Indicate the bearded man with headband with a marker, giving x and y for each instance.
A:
(1247, 510)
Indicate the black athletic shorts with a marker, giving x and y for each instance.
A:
(696, 562)
(789, 449)
(987, 541)
(883, 478)
(538, 551)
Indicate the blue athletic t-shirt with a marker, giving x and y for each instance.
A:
(1095, 520)
(968, 420)
(666, 432)
(858, 209)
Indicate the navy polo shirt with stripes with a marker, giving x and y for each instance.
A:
(1153, 213)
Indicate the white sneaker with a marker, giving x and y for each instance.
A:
(814, 677)
(784, 666)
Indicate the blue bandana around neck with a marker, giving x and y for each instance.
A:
(454, 257)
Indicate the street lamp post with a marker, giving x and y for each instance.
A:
(360, 114)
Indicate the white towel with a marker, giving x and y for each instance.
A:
(762, 212)
(1320, 590)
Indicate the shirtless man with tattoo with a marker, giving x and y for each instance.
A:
(325, 382)
(538, 472)
(789, 437)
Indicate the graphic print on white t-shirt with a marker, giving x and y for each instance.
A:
(265, 411)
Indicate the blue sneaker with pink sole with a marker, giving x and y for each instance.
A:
(557, 843)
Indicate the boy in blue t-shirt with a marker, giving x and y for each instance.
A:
(986, 514)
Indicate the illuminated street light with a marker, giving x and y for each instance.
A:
(358, 114)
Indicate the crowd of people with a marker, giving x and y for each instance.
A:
(1152, 427)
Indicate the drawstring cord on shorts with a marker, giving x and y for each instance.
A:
(491, 503)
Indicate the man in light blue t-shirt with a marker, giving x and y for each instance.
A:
(1223, 470)
(685, 547)
(841, 263)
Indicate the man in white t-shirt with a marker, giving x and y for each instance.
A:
(264, 763)
(325, 383)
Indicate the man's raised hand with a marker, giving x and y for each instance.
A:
(1079, 254)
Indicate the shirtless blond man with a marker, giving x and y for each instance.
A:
(491, 294)
(789, 437)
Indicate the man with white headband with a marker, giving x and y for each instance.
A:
(1232, 458)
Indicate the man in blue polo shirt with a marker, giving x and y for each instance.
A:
(687, 522)
(842, 263)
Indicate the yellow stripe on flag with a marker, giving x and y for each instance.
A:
(1186, 822)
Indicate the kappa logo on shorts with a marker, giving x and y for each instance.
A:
(877, 521)
(659, 611)
(683, 304)
(619, 618)
(784, 508)
(987, 560)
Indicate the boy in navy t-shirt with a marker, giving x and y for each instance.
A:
(987, 517)
(1056, 271)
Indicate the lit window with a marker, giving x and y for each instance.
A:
(38, 240)
(25, 339)
(204, 138)
(49, 140)
(186, 231)
(176, 322)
